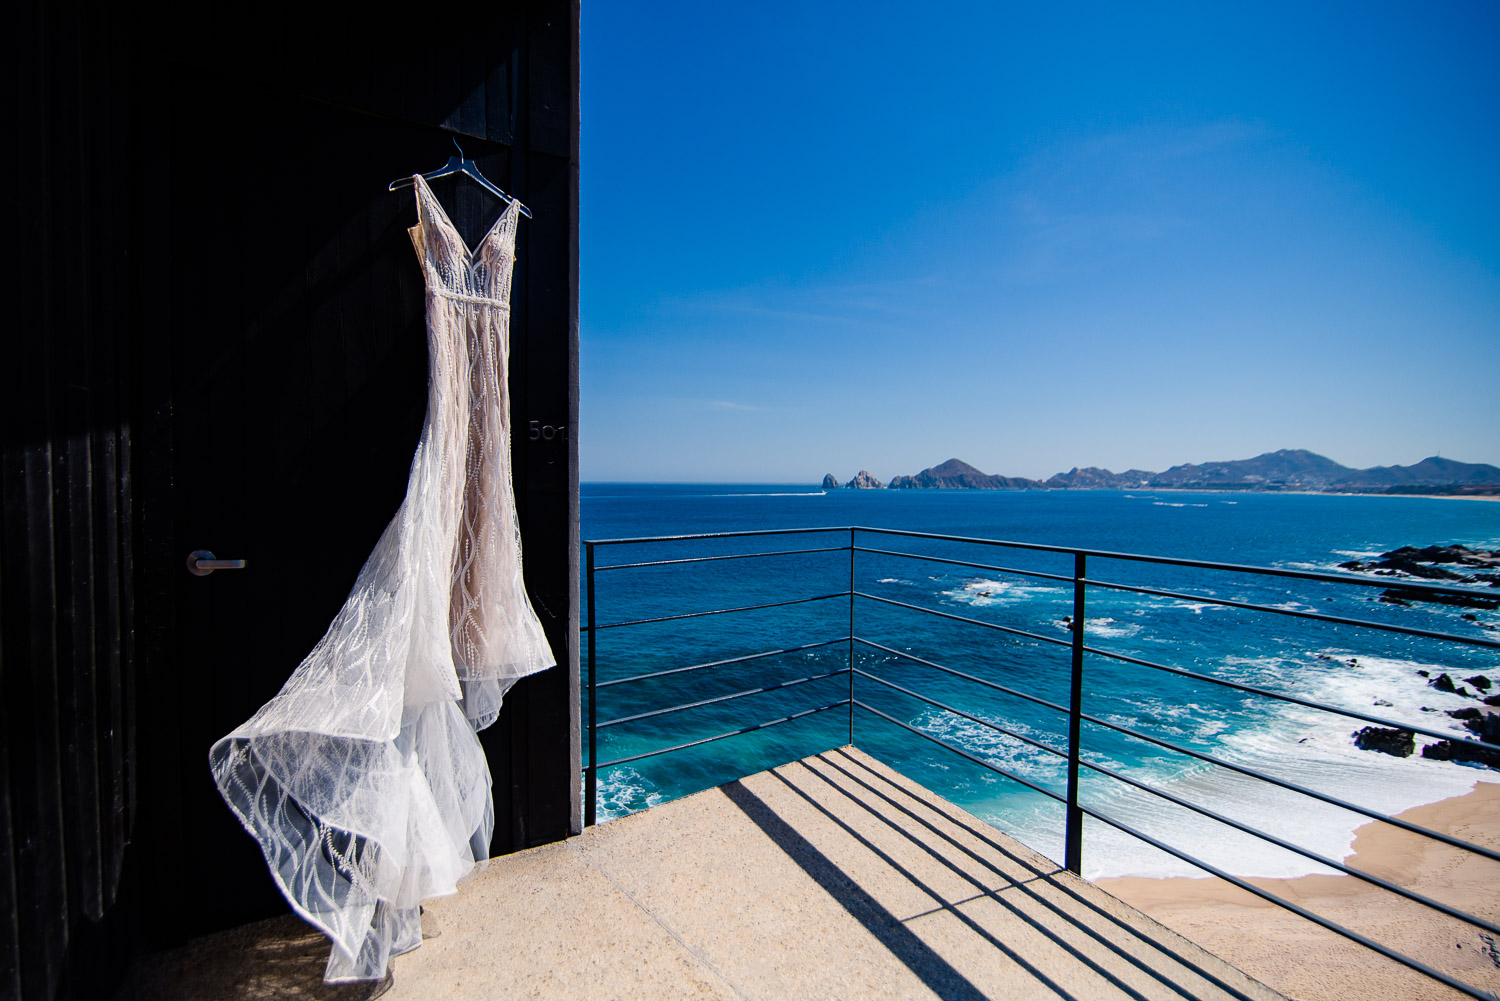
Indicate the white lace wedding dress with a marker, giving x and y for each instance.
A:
(363, 779)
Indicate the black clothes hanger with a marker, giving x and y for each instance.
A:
(462, 165)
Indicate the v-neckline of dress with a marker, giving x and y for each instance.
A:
(472, 254)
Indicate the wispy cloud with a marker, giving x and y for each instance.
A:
(881, 305)
(702, 405)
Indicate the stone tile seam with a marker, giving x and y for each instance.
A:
(664, 926)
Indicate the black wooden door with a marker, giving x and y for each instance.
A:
(215, 342)
(293, 382)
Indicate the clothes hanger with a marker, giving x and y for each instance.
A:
(462, 165)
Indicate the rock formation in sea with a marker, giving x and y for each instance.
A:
(1387, 740)
(1440, 563)
(956, 474)
(1485, 727)
(863, 481)
(1443, 683)
(829, 482)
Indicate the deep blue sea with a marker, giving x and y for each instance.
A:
(1354, 668)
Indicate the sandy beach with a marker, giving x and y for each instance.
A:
(1309, 963)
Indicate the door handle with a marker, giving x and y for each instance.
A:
(201, 563)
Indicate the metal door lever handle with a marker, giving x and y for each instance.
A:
(201, 563)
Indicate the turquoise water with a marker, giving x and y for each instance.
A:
(1335, 664)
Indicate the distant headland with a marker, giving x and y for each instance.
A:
(1287, 470)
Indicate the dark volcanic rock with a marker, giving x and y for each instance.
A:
(956, 474)
(1491, 700)
(1444, 554)
(1486, 727)
(1468, 712)
(1386, 740)
(1480, 682)
(829, 482)
(1405, 596)
(1434, 563)
(1453, 750)
(863, 481)
(1443, 683)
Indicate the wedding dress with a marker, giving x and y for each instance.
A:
(363, 778)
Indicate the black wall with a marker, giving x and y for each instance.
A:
(215, 340)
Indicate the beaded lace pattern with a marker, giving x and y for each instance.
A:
(363, 779)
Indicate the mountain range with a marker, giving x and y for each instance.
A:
(1287, 469)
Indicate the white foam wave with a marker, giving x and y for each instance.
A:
(803, 493)
(983, 593)
(1296, 744)
(1167, 504)
(623, 791)
(997, 748)
(1109, 629)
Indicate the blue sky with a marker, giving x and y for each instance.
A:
(820, 238)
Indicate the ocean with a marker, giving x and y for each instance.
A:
(1354, 668)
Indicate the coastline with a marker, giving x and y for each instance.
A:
(1311, 493)
(1309, 963)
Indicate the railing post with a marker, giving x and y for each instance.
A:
(851, 635)
(591, 776)
(1073, 847)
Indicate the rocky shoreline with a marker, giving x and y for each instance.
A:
(1453, 564)
(1434, 563)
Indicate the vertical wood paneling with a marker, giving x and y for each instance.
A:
(28, 602)
(65, 510)
(70, 318)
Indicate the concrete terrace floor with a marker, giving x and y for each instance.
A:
(831, 877)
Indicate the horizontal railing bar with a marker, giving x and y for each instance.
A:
(1304, 790)
(1404, 583)
(1319, 616)
(1179, 562)
(965, 563)
(962, 753)
(721, 736)
(1318, 919)
(722, 698)
(721, 663)
(959, 712)
(720, 611)
(960, 674)
(716, 535)
(1412, 895)
(1295, 700)
(711, 559)
(963, 618)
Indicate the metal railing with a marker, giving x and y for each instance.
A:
(1078, 650)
